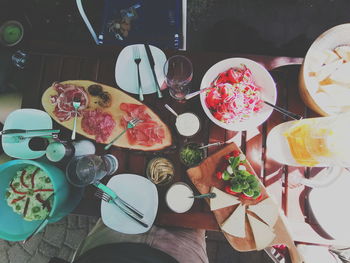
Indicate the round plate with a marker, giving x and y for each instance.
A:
(126, 69)
(27, 119)
(262, 79)
(138, 192)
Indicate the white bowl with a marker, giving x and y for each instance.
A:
(308, 86)
(262, 79)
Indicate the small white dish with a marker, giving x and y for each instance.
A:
(139, 192)
(26, 119)
(261, 77)
(126, 70)
(178, 197)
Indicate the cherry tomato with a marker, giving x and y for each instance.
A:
(219, 175)
(229, 190)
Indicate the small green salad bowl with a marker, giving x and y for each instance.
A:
(191, 155)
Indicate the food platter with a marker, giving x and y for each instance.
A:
(103, 119)
(320, 62)
(203, 177)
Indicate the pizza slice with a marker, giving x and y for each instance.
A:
(266, 210)
(235, 223)
(263, 234)
(222, 199)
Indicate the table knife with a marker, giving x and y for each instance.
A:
(17, 131)
(152, 64)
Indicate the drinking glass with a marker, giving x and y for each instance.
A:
(178, 73)
(88, 169)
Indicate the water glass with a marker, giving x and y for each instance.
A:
(88, 169)
(178, 73)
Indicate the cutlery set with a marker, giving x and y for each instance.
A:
(138, 60)
(108, 195)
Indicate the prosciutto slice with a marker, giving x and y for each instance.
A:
(63, 101)
(98, 123)
(146, 133)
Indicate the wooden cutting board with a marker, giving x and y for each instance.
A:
(203, 177)
(118, 97)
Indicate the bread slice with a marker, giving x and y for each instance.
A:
(117, 97)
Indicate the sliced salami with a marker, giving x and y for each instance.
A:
(98, 123)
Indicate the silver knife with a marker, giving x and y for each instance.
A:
(151, 63)
(17, 131)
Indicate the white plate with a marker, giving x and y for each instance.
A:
(126, 69)
(27, 119)
(261, 77)
(138, 192)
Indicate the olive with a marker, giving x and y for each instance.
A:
(18, 207)
(95, 89)
(106, 99)
(47, 180)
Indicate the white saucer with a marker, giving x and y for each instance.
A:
(126, 69)
(138, 192)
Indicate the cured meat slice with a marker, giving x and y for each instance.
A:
(98, 123)
(63, 101)
(147, 132)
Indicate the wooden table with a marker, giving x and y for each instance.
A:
(50, 62)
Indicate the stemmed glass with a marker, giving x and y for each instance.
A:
(178, 73)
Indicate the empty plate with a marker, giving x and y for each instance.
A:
(138, 192)
(126, 69)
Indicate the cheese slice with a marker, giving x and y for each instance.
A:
(266, 210)
(263, 234)
(222, 199)
(235, 223)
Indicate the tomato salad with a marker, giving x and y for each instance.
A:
(233, 96)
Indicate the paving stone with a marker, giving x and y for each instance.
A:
(38, 258)
(74, 237)
(72, 221)
(17, 254)
(83, 221)
(4, 243)
(66, 253)
(48, 250)
(226, 254)
(55, 234)
(63, 221)
(32, 245)
(3, 253)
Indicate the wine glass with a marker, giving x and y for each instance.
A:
(178, 73)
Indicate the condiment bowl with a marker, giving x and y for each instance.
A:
(192, 145)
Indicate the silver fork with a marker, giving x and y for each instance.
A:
(103, 196)
(137, 59)
(76, 105)
(131, 124)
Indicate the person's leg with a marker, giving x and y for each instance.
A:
(185, 245)
(101, 235)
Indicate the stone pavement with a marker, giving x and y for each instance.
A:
(61, 239)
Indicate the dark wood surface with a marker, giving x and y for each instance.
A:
(51, 62)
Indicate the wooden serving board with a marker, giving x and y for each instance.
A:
(203, 177)
(118, 97)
